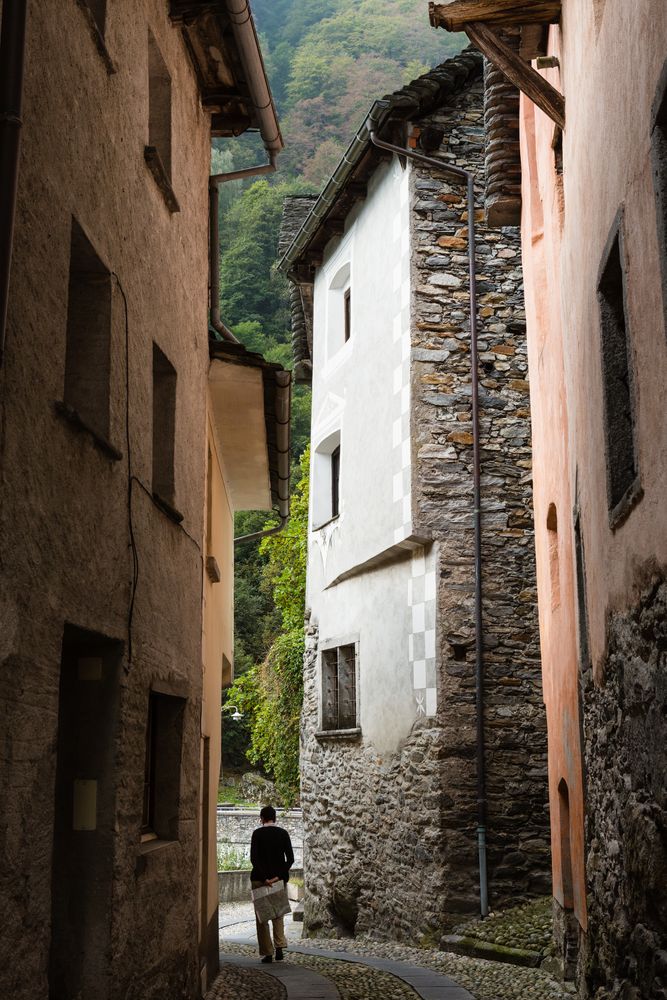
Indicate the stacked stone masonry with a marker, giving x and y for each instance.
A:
(372, 820)
(624, 954)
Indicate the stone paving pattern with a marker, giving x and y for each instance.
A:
(529, 926)
(525, 926)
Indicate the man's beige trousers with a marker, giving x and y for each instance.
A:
(266, 945)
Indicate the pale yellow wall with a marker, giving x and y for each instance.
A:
(218, 632)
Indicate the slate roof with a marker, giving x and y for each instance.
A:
(417, 99)
(309, 224)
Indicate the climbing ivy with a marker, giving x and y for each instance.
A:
(270, 694)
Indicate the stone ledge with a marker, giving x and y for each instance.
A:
(473, 948)
(338, 734)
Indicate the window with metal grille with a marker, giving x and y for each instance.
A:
(339, 688)
(617, 377)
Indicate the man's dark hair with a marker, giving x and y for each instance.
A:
(268, 814)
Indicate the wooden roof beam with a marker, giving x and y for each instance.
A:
(519, 72)
(457, 15)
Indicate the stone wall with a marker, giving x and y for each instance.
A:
(64, 535)
(624, 954)
(369, 823)
(515, 724)
(235, 827)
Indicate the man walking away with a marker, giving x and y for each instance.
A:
(272, 857)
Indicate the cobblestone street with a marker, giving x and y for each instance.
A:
(361, 969)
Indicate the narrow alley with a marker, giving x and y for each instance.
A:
(342, 968)
(333, 466)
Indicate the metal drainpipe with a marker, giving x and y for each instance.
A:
(214, 237)
(469, 180)
(12, 58)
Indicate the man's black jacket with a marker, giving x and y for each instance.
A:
(271, 854)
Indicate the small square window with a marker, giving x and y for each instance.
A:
(162, 767)
(339, 688)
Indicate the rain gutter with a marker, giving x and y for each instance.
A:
(379, 114)
(247, 44)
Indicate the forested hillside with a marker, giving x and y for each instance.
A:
(327, 61)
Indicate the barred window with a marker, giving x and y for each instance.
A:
(339, 688)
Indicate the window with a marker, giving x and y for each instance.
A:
(554, 569)
(339, 311)
(159, 105)
(617, 380)
(158, 151)
(88, 353)
(335, 481)
(565, 850)
(339, 688)
(659, 157)
(326, 480)
(164, 426)
(162, 767)
(582, 610)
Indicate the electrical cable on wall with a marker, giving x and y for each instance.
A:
(133, 543)
(131, 478)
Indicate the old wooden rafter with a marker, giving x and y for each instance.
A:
(521, 73)
(457, 15)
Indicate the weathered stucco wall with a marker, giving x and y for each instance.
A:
(608, 682)
(542, 224)
(64, 519)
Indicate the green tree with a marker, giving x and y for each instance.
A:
(252, 289)
(270, 694)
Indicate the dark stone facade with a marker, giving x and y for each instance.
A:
(295, 210)
(515, 727)
(624, 954)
